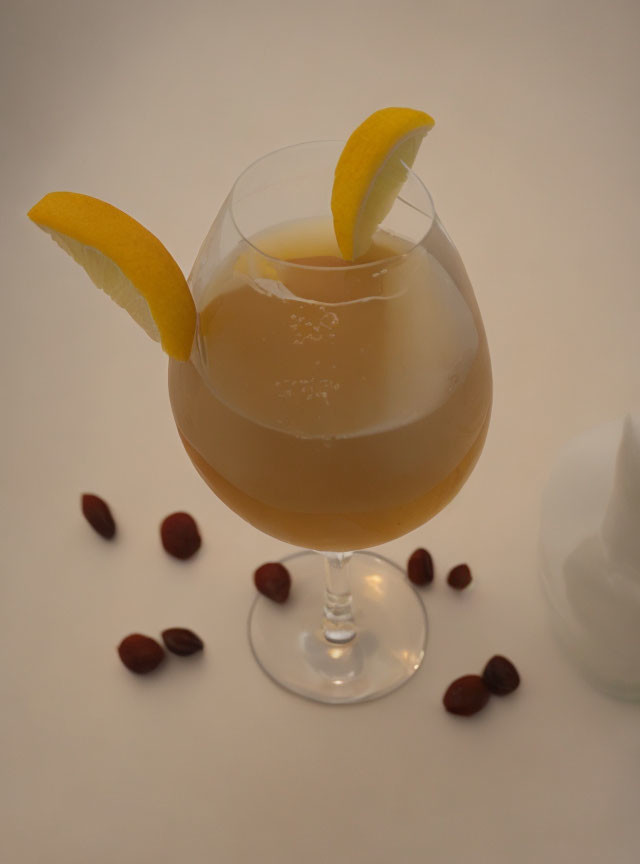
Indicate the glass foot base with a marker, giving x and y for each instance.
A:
(391, 631)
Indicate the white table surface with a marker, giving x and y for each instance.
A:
(534, 169)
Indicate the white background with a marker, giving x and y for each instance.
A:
(533, 166)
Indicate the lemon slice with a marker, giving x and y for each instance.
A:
(126, 261)
(371, 171)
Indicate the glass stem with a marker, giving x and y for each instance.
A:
(338, 624)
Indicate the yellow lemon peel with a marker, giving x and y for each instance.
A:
(370, 173)
(126, 261)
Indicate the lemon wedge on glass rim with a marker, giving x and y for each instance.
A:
(126, 261)
(371, 170)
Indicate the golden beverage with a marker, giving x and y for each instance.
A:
(335, 407)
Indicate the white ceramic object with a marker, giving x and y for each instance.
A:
(590, 553)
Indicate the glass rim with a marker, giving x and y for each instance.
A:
(317, 267)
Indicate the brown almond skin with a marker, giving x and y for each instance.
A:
(274, 581)
(420, 567)
(501, 676)
(97, 513)
(466, 696)
(180, 640)
(459, 577)
(140, 654)
(180, 536)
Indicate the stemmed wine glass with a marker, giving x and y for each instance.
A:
(334, 405)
